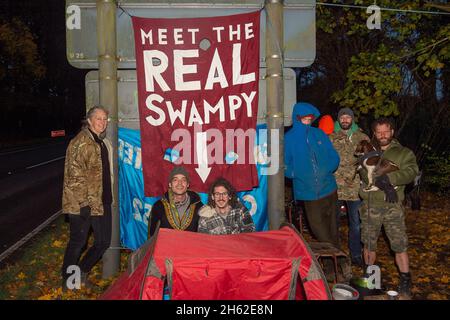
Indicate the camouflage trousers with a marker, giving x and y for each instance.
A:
(389, 215)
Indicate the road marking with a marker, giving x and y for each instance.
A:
(22, 241)
(32, 148)
(19, 170)
(17, 151)
(43, 163)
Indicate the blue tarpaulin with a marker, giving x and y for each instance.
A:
(135, 208)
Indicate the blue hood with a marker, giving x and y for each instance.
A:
(303, 109)
(309, 157)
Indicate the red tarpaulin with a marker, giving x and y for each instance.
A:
(198, 98)
(271, 265)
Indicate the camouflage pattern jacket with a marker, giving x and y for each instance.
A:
(406, 160)
(83, 184)
(345, 144)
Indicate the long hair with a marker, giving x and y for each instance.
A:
(222, 182)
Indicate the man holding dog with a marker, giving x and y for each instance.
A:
(345, 138)
(384, 207)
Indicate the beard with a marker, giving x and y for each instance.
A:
(384, 142)
(345, 125)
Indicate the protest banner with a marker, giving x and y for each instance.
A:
(198, 98)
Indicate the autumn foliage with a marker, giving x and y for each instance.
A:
(34, 273)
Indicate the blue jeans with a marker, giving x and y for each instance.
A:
(354, 226)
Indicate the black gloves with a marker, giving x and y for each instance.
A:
(85, 212)
(383, 183)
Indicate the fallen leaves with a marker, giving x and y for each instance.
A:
(47, 297)
(436, 296)
(429, 244)
(58, 244)
(36, 275)
(21, 276)
(423, 280)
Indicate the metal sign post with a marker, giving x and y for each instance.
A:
(288, 27)
(106, 46)
(275, 115)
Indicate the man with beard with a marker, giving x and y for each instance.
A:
(384, 207)
(345, 138)
(178, 208)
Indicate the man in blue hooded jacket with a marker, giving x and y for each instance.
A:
(310, 161)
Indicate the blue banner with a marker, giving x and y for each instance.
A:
(135, 208)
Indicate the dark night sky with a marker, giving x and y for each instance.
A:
(60, 97)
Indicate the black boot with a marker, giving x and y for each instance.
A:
(404, 287)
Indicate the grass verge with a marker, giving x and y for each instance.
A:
(33, 272)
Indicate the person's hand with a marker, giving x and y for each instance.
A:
(383, 183)
(85, 212)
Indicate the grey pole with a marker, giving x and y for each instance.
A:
(106, 47)
(275, 114)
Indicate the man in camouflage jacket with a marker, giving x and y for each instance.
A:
(87, 196)
(345, 138)
(384, 207)
(83, 180)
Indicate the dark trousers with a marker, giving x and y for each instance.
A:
(321, 216)
(79, 232)
(354, 226)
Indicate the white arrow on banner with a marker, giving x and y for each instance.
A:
(202, 157)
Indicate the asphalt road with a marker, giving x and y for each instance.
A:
(15, 160)
(30, 189)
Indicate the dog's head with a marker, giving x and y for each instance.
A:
(364, 147)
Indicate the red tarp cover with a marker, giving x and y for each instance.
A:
(244, 266)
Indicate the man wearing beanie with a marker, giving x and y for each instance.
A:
(345, 138)
(178, 208)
